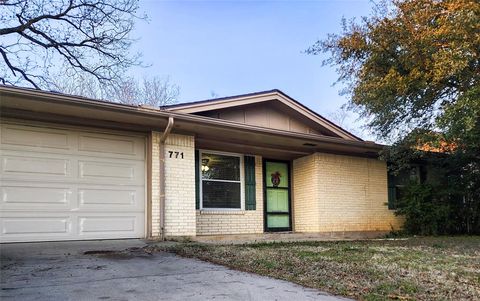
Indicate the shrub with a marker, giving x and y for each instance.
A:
(425, 211)
(431, 209)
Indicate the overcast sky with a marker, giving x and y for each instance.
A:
(236, 47)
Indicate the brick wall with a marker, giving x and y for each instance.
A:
(306, 206)
(180, 186)
(155, 187)
(330, 193)
(235, 222)
(350, 194)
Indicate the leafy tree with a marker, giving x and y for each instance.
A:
(412, 69)
(40, 39)
(408, 62)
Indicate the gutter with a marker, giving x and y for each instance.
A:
(164, 136)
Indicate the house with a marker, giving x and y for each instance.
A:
(74, 168)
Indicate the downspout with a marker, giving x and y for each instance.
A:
(164, 136)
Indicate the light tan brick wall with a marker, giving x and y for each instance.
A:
(306, 205)
(155, 187)
(351, 194)
(236, 222)
(180, 186)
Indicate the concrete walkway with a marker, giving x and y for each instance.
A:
(62, 271)
(288, 237)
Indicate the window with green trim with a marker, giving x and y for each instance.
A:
(221, 180)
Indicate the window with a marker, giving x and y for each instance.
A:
(221, 180)
(398, 183)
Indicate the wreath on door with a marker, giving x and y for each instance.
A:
(276, 178)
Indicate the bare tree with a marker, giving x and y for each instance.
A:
(153, 91)
(355, 125)
(340, 117)
(39, 38)
(214, 94)
(80, 85)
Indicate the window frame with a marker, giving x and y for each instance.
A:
(242, 179)
(417, 177)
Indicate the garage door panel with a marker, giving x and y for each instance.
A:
(104, 225)
(16, 135)
(34, 196)
(26, 196)
(70, 184)
(45, 226)
(55, 140)
(112, 145)
(38, 166)
(113, 199)
(35, 225)
(105, 171)
(70, 169)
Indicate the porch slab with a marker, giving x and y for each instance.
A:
(288, 237)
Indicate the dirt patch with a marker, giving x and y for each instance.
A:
(9, 266)
(97, 267)
(124, 254)
(101, 252)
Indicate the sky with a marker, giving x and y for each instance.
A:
(234, 47)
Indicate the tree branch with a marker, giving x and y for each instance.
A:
(89, 36)
(13, 69)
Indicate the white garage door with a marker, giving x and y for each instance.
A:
(61, 183)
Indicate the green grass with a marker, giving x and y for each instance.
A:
(428, 268)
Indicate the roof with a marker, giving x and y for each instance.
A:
(210, 100)
(30, 104)
(256, 97)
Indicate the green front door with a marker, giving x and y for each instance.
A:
(277, 196)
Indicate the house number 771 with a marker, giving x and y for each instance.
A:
(175, 155)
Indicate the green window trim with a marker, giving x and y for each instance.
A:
(197, 179)
(250, 184)
(391, 192)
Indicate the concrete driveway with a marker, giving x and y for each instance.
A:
(122, 270)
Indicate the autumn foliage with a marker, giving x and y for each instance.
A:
(412, 68)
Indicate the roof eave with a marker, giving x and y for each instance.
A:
(53, 99)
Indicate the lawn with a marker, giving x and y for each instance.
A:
(431, 268)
